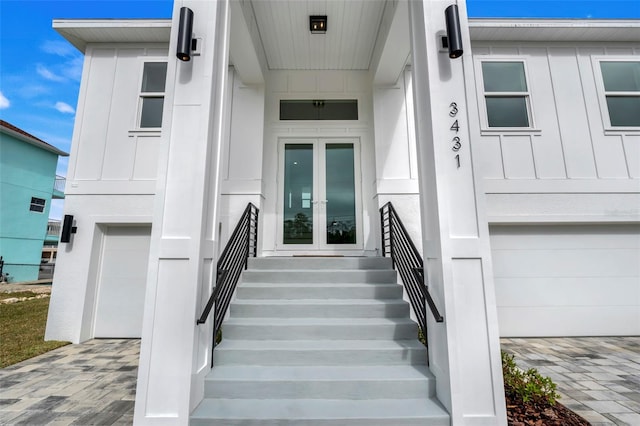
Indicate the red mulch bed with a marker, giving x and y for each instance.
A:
(536, 413)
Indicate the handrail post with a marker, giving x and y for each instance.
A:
(232, 261)
(406, 259)
(391, 234)
(382, 234)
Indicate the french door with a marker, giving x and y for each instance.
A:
(319, 195)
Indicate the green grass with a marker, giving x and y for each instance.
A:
(22, 327)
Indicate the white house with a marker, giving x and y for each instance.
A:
(515, 167)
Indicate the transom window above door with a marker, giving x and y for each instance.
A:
(319, 109)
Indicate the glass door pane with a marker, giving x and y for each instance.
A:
(298, 193)
(340, 194)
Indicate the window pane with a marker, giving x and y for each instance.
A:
(154, 76)
(508, 111)
(298, 193)
(151, 112)
(37, 204)
(309, 109)
(341, 194)
(504, 77)
(621, 76)
(624, 110)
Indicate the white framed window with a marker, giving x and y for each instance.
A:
(507, 103)
(37, 204)
(621, 89)
(154, 75)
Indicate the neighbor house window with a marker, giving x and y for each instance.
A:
(37, 204)
(622, 91)
(506, 94)
(152, 94)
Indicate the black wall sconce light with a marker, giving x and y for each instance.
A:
(185, 32)
(454, 34)
(67, 229)
(318, 24)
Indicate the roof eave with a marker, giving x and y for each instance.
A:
(80, 32)
(603, 30)
(32, 141)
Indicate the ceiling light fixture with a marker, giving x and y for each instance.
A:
(318, 24)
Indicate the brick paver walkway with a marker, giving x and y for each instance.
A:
(597, 377)
(94, 383)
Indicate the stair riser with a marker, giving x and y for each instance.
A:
(324, 332)
(399, 421)
(273, 263)
(320, 389)
(310, 292)
(223, 357)
(238, 310)
(320, 276)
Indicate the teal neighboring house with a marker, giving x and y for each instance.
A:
(27, 186)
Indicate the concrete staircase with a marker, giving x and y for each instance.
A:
(319, 341)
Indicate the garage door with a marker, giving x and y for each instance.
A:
(121, 281)
(567, 280)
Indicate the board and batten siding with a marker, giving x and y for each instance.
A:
(112, 155)
(569, 149)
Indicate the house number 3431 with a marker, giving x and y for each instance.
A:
(456, 142)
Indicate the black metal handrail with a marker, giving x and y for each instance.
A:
(241, 246)
(397, 244)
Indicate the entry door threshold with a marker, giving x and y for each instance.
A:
(318, 255)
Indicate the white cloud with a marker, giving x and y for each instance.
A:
(73, 68)
(4, 102)
(47, 74)
(65, 108)
(56, 47)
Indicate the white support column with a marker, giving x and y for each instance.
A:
(175, 352)
(464, 351)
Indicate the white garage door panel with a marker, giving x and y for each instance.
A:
(576, 262)
(621, 291)
(568, 321)
(567, 280)
(122, 282)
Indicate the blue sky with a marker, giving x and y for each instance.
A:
(40, 72)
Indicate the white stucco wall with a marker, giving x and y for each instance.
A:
(72, 306)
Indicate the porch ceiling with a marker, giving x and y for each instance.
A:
(352, 31)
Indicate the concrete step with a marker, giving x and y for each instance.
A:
(371, 276)
(315, 412)
(319, 328)
(320, 382)
(294, 291)
(319, 341)
(315, 308)
(319, 352)
(315, 263)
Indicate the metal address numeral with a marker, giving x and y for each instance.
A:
(454, 109)
(455, 127)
